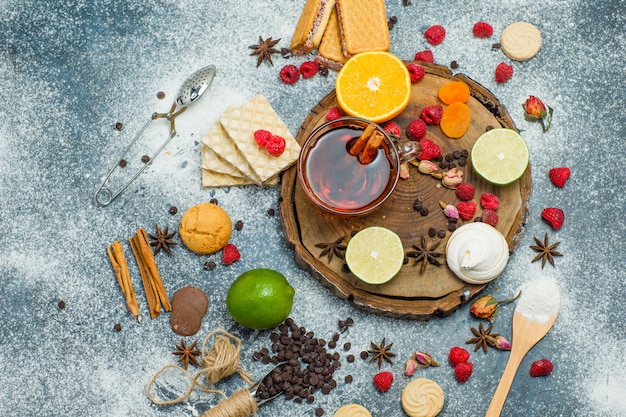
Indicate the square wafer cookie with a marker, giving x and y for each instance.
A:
(241, 122)
(212, 179)
(220, 143)
(363, 26)
(214, 162)
(330, 53)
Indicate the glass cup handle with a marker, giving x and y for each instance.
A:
(407, 151)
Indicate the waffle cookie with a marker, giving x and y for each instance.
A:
(330, 52)
(520, 41)
(241, 122)
(212, 179)
(311, 25)
(422, 397)
(363, 26)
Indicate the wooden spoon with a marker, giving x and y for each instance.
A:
(526, 334)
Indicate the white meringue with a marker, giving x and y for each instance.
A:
(477, 253)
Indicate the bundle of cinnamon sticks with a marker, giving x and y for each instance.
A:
(365, 147)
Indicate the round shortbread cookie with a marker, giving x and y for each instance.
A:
(423, 397)
(205, 228)
(520, 41)
(352, 410)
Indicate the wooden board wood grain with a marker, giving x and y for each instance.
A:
(411, 294)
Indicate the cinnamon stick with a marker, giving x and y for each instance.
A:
(120, 267)
(155, 277)
(151, 298)
(359, 144)
(371, 148)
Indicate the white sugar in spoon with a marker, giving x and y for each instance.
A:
(534, 315)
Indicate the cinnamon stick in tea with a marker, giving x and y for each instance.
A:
(359, 143)
(371, 148)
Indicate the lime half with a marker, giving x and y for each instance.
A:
(500, 156)
(375, 255)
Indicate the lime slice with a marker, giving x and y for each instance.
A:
(375, 255)
(500, 156)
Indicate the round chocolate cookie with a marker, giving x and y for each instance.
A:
(190, 296)
(186, 320)
(205, 228)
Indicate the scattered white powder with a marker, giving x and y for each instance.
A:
(540, 300)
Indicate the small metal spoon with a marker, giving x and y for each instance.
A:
(190, 91)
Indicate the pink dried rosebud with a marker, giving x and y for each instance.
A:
(427, 167)
(449, 210)
(452, 178)
(410, 366)
(404, 171)
(424, 359)
(535, 111)
(501, 343)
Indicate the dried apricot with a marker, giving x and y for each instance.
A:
(456, 120)
(454, 91)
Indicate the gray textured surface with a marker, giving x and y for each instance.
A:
(70, 70)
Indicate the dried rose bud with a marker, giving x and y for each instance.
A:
(535, 111)
(501, 343)
(452, 178)
(410, 366)
(425, 359)
(449, 210)
(486, 307)
(404, 171)
(427, 167)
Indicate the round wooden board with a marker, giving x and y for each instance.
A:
(411, 294)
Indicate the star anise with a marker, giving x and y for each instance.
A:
(381, 352)
(332, 249)
(162, 240)
(546, 251)
(426, 254)
(264, 50)
(187, 353)
(484, 338)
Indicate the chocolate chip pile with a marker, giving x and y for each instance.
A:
(308, 366)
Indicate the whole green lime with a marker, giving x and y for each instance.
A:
(260, 299)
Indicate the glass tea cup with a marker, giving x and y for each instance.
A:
(338, 182)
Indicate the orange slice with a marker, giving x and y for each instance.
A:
(373, 85)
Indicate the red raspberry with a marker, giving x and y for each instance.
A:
(458, 355)
(309, 68)
(465, 191)
(383, 380)
(416, 130)
(467, 209)
(276, 145)
(261, 137)
(504, 73)
(430, 150)
(333, 113)
(435, 34)
(289, 74)
(432, 114)
(230, 254)
(416, 71)
(554, 217)
(463, 371)
(489, 201)
(426, 56)
(559, 175)
(490, 217)
(482, 30)
(541, 367)
(392, 129)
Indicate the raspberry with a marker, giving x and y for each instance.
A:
(416, 71)
(416, 130)
(463, 371)
(430, 150)
(489, 201)
(554, 217)
(458, 355)
(482, 30)
(393, 130)
(289, 74)
(276, 145)
(383, 380)
(465, 191)
(504, 73)
(541, 367)
(426, 56)
(432, 114)
(309, 68)
(490, 217)
(261, 137)
(559, 175)
(467, 209)
(435, 34)
(333, 113)
(230, 254)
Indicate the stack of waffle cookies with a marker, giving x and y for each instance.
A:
(230, 154)
(339, 29)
